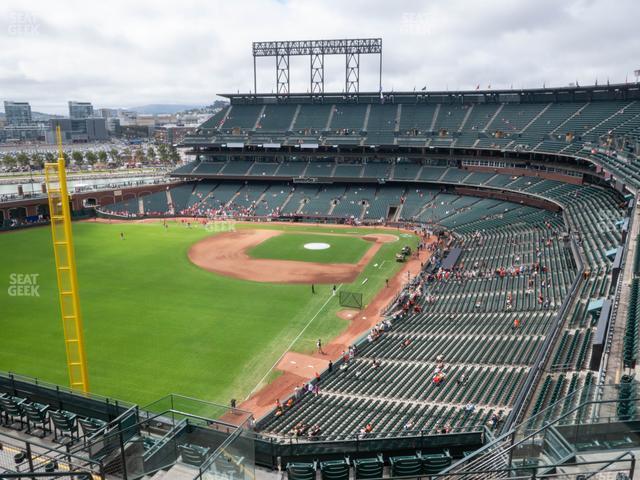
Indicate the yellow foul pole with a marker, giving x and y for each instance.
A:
(62, 234)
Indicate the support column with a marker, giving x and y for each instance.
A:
(352, 73)
(317, 73)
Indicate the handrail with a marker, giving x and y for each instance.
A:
(532, 433)
(44, 451)
(614, 460)
(537, 368)
(165, 438)
(88, 440)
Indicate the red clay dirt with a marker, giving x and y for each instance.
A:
(263, 400)
(227, 254)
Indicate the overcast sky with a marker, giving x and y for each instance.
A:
(134, 52)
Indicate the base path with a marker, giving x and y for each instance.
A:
(303, 370)
(227, 254)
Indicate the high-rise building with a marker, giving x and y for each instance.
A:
(78, 130)
(80, 110)
(106, 112)
(17, 113)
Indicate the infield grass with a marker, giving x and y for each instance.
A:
(291, 246)
(157, 324)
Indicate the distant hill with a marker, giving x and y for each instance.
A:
(158, 108)
(43, 117)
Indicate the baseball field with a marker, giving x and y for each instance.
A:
(198, 311)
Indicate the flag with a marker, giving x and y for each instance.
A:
(489, 87)
(424, 88)
(478, 87)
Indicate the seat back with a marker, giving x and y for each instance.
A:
(405, 466)
(61, 421)
(368, 467)
(335, 470)
(435, 463)
(301, 471)
(193, 454)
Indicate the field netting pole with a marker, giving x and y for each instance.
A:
(62, 236)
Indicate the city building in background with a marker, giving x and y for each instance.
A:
(17, 113)
(80, 110)
(78, 130)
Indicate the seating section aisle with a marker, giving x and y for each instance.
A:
(478, 329)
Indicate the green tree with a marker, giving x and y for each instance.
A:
(49, 157)
(174, 155)
(151, 154)
(102, 156)
(163, 153)
(91, 158)
(22, 159)
(37, 161)
(115, 156)
(138, 156)
(77, 157)
(9, 161)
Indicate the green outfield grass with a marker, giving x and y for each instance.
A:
(290, 246)
(154, 322)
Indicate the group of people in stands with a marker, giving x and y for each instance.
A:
(404, 303)
(302, 429)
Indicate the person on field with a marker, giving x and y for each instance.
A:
(313, 288)
(121, 235)
(319, 345)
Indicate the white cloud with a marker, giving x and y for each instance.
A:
(123, 53)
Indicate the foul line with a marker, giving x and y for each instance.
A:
(293, 342)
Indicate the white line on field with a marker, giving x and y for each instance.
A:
(380, 266)
(293, 342)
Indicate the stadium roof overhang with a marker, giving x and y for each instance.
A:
(569, 93)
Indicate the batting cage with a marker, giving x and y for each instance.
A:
(350, 299)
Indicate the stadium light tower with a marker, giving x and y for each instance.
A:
(64, 253)
(351, 48)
